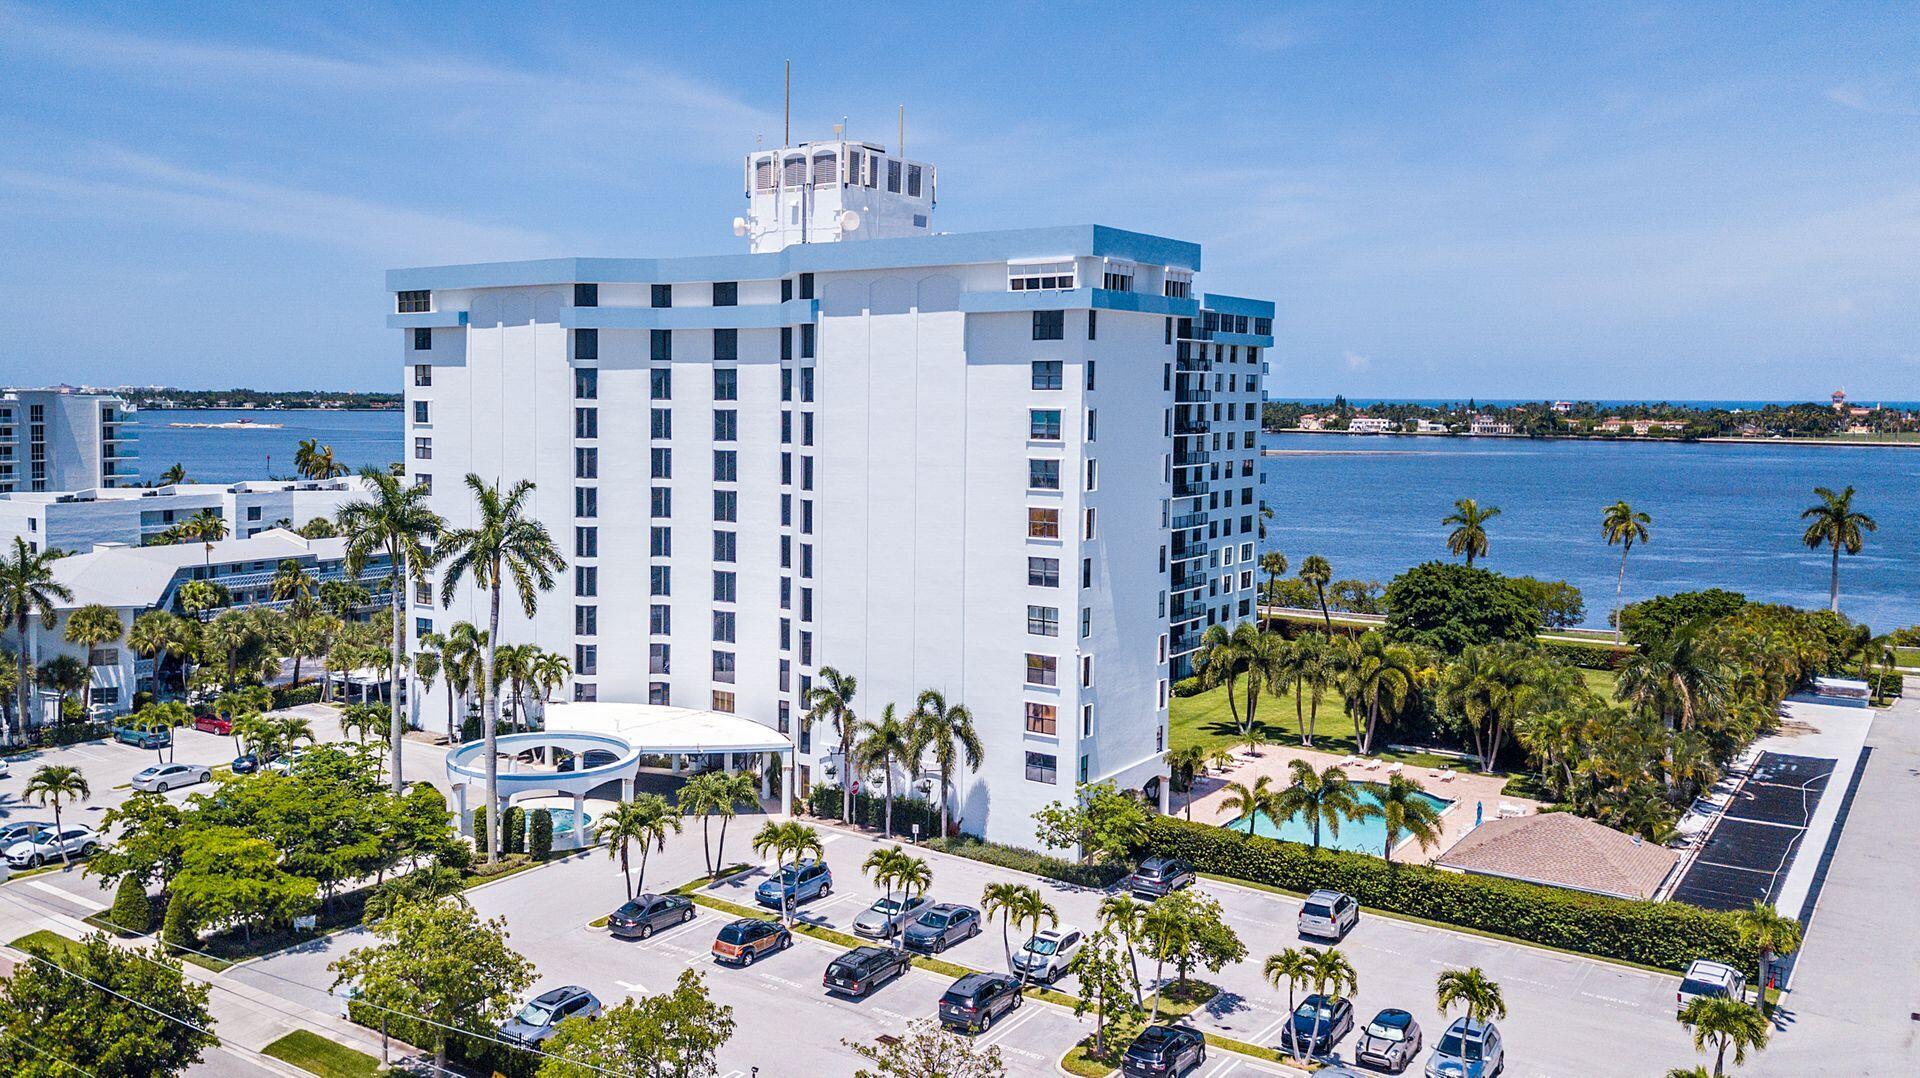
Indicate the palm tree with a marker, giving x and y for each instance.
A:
(427, 665)
(65, 675)
(1679, 679)
(1470, 989)
(1030, 908)
(154, 634)
(549, 672)
(504, 543)
(1328, 972)
(1222, 659)
(884, 744)
(1321, 798)
(461, 654)
(93, 625)
(1835, 524)
(54, 783)
(315, 461)
(1688, 1072)
(1274, 564)
(1765, 932)
(1011, 903)
(511, 668)
(784, 839)
(174, 474)
(895, 867)
(700, 797)
(1251, 801)
(1183, 769)
(1126, 917)
(1291, 966)
(1315, 572)
(646, 820)
(395, 520)
(1267, 658)
(948, 730)
(831, 697)
(206, 527)
(734, 790)
(1469, 537)
(1724, 1023)
(1378, 669)
(1405, 809)
(1622, 525)
(27, 589)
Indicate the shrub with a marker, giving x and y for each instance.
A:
(1451, 607)
(132, 910)
(1883, 684)
(71, 733)
(513, 837)
(1039, 864)
(176, 929)
(294, 697)
(470, 730)
(1664, 934)
(1187, 686)
(869, 810)
(1651, 620)
(540, 835)
(1589, 656)
(480, 827)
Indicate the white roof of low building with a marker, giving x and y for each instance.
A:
(659, 728)
(137, 576)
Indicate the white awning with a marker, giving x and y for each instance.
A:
(655, 728)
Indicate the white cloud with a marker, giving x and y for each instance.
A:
(1880, 97)
(1357, 362)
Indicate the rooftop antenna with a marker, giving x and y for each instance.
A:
(903, 131)
(788, 136)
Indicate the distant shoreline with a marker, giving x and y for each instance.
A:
(1727, 439)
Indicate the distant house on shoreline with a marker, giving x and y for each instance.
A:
(1487, 424)
(1310, 422)
(1370, 424)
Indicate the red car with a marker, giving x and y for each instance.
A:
(212, 724)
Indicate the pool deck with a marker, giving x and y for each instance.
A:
(1464, 789)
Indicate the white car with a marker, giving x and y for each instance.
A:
(1706, 980)
(1328, 915)
(163, 777)
(77, 841)
(1048, 953)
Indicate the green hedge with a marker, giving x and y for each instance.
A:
(869, 810)
(304, 694)
(1887, 684)
(1664, 934)
(1591, 656)
(1022, 860)
(69, 733)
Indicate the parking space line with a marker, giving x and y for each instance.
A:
(40, 885)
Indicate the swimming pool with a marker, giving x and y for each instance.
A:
(563, 821)
(1361, 836)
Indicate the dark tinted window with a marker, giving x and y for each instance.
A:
(1314, 909)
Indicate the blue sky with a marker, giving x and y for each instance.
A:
(1623, 200)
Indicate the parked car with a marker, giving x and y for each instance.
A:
(163, 777)
(246, 763)
(974, 1002)
(1467, 1050)
(797, 883)
(887, 916)
(1160, 876)
(638, 918)
(213, 724)
(1329, 914)
(143, 739)
(1391, 1041)
(542, 1015)
(1047, 953)
(864, 969)
(1164, 1052)
(1709, 980)
(78, 841)
(742, 941)
(6, 770)
(284, 765)
(942, 926)
(1316, 1025)
(21, 831)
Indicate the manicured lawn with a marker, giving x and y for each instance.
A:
(59, 948)
(318, 1055)
(1078, 1060)
(1205, 719)
(1178, 1002)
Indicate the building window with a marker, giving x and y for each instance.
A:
(1047, 374)
(659, 658)
(726, 344)
(806, 352)
(726, 293)
(422, 339)
(586, 542)
(723, 701)
(586, 501)
(1043, 523)
(723, 626)
(1043, 475)
(419, 302)
(1093, 424)
(1093, 475)
(586, 295)
(422, 627)
(726, 466)
(1091, 364)
(1040, 718)
(423, 449)
(586, 581)
(586, 463)
(1049, 325)
(1086, 720)
(1042, 670)
(1086, 671)
(586, 422)
(726, 425)
(659, 580)
(661, 423)
(661, 345)
(1043, 621)
(586, 383)
(663, 295)
(723, 667)
(585, 692)
(726, 384)
(1043, 424)
(724, 546)
(726, 505)
(586, 344)
(660, 542)
(1043, 572)
(586, 621)
(420, 412)
(1088, 531)
(1093, 322)
(662, 462)
(1086, 630)
(422, 374)
(586, 659)
(806, 385)
(1043, 767)
(1039, 276)
(725, 586)
(659, 693)
(1086, 573)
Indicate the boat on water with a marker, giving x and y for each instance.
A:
(237, 424)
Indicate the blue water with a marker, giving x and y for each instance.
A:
(1359, 836)
(1724, 515)
(563, 820)
(224, 456)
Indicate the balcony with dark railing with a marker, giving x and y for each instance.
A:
(1184, 641)
(1189, 521)
(1189, 484)
(1187, 578)
(1190, 424)
(1184, 457)
(1186, 608)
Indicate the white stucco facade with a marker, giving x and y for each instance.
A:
(66, 439)
(76, 521)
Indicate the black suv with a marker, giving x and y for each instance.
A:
(973, 1002)
(863, 969)
(1158, 877)
(638, 918)
(1164, 1052)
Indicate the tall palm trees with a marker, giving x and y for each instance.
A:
(885, 744)
(54, 783)
(1836, 524)
(27, 590)
(646, 820)
(1405, 810)
(1329, 974)
(92, 626)
(947, 729)
(832, 698)
(1469, 536)
(1724, 1023)
(1183, 769)
(1622, 525)
(156, 633)
(1222, 659)
(505, 543)
(462, 654)
(206, 527)
(1291, 966)
(1765, 932)
(787, 840)
(1274, 564)
(1015, 904)
(893, 867)
(1377, 670)
(1243, 801)
(316, 461)
(1321, 798)
(1317, 574)
(1125, 916)
(395, 520)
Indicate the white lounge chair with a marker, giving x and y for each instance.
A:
(1396, 768)
(1509, 810)
(1448, 775)
(1349, 761)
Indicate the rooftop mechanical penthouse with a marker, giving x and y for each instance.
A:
(1016, 467)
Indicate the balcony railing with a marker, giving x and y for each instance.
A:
(1188, 488)
(1190, 520)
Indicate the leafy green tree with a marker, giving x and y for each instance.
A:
(1766, 933)
(676, 1034)
(787, 840)
(1469, 536)
(1324, 798)
(540, 835)
(27, 590)
(1451, 607)
(1722, 1024)
(53, 784)
(228, 877)
(1659, 618)
(1556, 603)
(1625, 526)
(947, 730)
(176, 927)
(1101, 823)
(1405, 810)
(1836, 524)
(645, 820)
(885, 744)
(434, 883)
(1101, 971)
(440, 962)
(831, 697)
(928, 1053)
(1187, 928)
(90, 1009)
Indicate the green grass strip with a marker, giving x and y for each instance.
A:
(57, 947)
(317, 1055)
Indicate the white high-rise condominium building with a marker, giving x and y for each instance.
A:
(1016, 467)
(66, 439)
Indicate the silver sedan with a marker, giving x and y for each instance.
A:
(163, 777)
(885, 917)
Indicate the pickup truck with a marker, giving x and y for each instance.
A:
(145, 739)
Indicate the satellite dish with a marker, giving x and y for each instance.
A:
(849, 220)
(739, 226)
